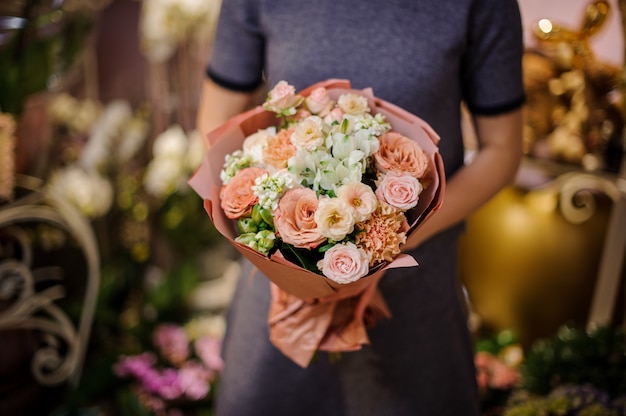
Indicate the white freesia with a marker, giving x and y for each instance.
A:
(91, 193)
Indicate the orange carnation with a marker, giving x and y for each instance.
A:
(279, 149)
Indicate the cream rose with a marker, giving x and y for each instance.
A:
(295, 218)
(344, 263)
(308, 133)
(335, 218)
(353, 104)
(360, 197)
(237, 196)
(400, 190)
(398, 153)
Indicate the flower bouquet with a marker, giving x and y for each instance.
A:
(320, 190)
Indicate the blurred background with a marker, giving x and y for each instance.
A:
(114, 283)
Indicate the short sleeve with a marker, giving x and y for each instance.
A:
(236, 61)
(492, 65)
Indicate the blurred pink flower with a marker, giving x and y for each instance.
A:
(173, 343)
(193, 379)
(209, 350)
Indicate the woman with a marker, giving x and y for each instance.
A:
(426, 56)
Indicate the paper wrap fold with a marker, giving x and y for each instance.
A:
(310, 312)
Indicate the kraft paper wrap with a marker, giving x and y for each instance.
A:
(310, 312)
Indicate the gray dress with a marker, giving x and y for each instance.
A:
(425, 56)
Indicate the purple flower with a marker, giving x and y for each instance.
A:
(209, 349)
(136, 365)
(173, 343)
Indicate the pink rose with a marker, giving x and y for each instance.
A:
(319, 102)
(193, 380)
(282, 99)
(295, 218)
(398, 153)
(237, 195)
(400, 190)
(344, 263)
(209, 350)
(336, 114)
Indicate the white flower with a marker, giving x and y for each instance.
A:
(233, 163)
(103, 132)
(254, 144)
(269, 188)
(91, 193)
(172, 143)
(164, 176)
(353, 104)
(132, 139)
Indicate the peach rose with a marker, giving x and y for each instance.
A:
(400, 190)
(319, 102)
(344, 263)
(398, 153)
(283, 99)
(279, 149)
(295, 218)
(237, 195)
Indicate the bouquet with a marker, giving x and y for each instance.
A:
(320, 190)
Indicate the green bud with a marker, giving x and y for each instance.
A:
(265, 240)
(267, 216)
(256, 214)
(246, 225)
(246, 238)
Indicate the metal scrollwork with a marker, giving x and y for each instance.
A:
(579, 192)
(29, 294)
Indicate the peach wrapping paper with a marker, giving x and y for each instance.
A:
(310, 312)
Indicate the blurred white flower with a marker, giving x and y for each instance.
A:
(166, 23)
(91, 193)
(171, 143)
(132, 139)
(103, 133)
(175, 156)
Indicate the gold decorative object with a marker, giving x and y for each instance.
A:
(571, 114)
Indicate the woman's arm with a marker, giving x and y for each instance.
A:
(217, 105)
(494, 166)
